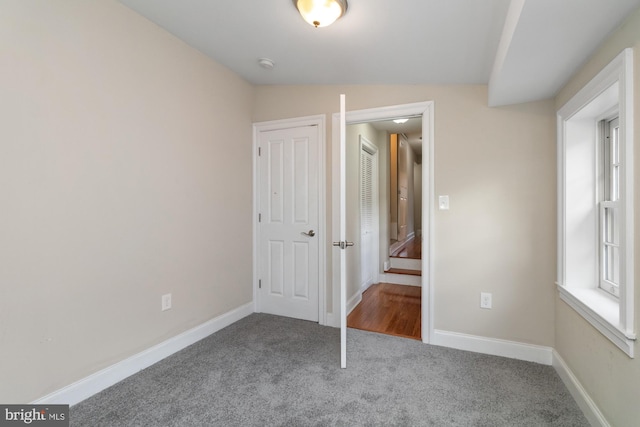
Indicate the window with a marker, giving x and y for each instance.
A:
(595, 202)
(609, 219)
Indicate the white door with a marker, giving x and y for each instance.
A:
(368, 213)
(342, 244)
(288, 222)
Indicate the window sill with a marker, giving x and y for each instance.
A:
(602, 311)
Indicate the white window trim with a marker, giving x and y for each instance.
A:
(613, 317)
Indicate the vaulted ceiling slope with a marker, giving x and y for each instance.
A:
(525, 50)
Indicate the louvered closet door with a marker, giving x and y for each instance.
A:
(368, 207)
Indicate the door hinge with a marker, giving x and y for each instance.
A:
(260, 284)
(259, 151)
(259, 217)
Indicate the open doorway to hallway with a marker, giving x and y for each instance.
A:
(386, 287)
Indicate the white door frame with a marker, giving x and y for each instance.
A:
(426, 109)
(320, 122)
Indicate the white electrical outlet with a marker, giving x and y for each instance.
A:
(166, 302)
(485, 300)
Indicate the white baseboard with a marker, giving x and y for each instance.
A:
(366, 286)
(580, 395)
(406, 263)
(494, 346)
(333, 319)
(94, 383)
(354, 301)
(400, 279)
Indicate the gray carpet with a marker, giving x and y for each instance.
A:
(272, 371)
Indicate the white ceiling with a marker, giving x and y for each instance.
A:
(524, 49)
(412, 129)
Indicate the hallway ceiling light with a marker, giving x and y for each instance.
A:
(321, 13)
(400, 121)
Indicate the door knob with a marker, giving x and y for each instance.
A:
(343, 244)
(310, 233)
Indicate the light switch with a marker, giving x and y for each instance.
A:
(443, 203)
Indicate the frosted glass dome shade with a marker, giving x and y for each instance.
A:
(321, 13)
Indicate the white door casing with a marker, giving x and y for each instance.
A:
(289, 228)
(426, 110)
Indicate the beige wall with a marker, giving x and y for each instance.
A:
(117, 144)
(417, 197)
(498, 167)
(609, 376)
(352, 138)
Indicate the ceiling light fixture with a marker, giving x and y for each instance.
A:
(400, 121)
(321, 13)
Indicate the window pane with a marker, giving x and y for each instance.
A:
(611, 260)
(611, 161)
(615, 146)
(611, 234)
(615, 183)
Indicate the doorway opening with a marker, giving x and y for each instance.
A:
(389, 290)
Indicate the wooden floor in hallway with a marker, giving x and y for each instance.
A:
(412, 250)
(389, 309)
